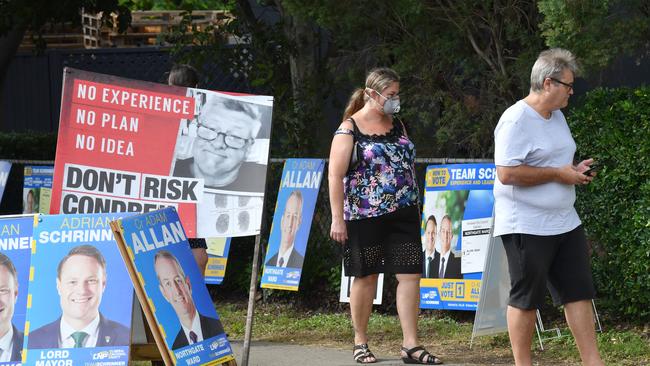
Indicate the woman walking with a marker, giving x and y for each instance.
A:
(375, 210)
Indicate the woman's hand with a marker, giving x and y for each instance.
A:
(339, 231)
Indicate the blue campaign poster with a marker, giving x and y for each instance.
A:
(81, 296)
(294, 211)
(218, 249)
(456, 222)
(37, 188)
(173, 284)
(15, 239)
(5, 167)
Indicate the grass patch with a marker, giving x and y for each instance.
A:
(443, 336)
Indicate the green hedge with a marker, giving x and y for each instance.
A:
(27, 145)
(613, 126)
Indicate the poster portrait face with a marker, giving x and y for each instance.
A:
(446, 234)
(292, 217)
(174, 286)
(225, 135)
(430, 233)
(30, 204)
(8, 297)
(448, 207)
(81, 285)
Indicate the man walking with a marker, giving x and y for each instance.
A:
(534, 214)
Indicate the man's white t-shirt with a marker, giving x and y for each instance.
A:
(523, 136)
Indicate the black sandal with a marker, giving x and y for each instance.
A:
(425, 357)
(361, 354)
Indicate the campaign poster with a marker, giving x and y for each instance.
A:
(133, 146)
(218, 249)
(15, 251)
(346, 287)
(456, 222)
(37, 188)
(294, 210)
(166, 270)
(5, 168)
(80, 294)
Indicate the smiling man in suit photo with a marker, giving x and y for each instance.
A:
(287, 255)
(80, 282)
(177, 290)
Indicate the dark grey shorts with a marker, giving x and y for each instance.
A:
(560, 262)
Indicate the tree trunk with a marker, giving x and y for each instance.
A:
(306, 66)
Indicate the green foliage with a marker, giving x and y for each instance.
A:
(596, 31)
(261, 57)
(33, 14)
(454, 204)
(462, 63)
(186, 5)
(27, 145)
(613, 127)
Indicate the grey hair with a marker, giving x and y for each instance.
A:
(551, 64)
(169, 256)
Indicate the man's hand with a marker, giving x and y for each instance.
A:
(570, 174)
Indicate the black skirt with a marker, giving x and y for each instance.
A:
(390, 243)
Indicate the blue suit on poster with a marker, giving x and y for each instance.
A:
(210, 327)
(110, 333)
(17, 347)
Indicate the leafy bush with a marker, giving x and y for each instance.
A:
(22, 146)
(613, 126)
(27, 145)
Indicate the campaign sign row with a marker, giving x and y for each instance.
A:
(37, 190)
(456, 226)
(66, 295)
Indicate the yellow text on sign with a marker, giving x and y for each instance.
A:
(437, 177)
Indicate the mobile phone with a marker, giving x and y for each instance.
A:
(593, 168)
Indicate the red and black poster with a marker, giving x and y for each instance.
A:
(133, 146)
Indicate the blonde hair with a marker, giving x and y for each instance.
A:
(378, 79)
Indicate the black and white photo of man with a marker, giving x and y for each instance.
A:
(223, 150)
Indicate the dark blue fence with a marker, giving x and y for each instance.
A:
(32, 89)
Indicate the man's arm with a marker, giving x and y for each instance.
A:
(526, 175)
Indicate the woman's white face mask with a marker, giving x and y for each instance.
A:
(391, 105)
